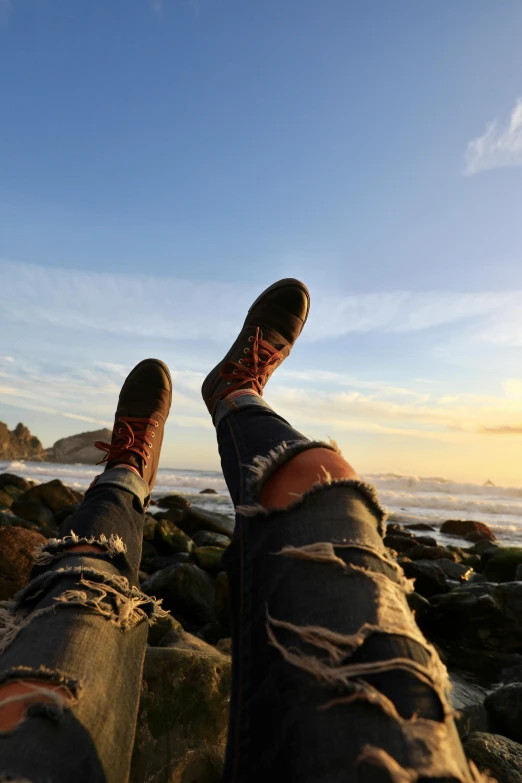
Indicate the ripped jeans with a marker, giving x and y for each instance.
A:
(332, 679)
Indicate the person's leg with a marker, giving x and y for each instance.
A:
(332, 678)
(72, 642)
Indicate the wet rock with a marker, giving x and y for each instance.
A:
(419, 526)
(183, 717)
(195, 519)
(429, 577)
(207, 538)
(17, 547)
(502, 565)
(484, 547)
(209, 491)
(162, 628)
(499, 756)
(187, 591)
(504, 708)
(455, 571)
(477, 535)
(173, 501)
(467, 698)
(461, 527)
(16, 482)
(394, 529)
(169, 539)
(420, 552)
(427, 541)
(400, 543)
(225, 646)
(52, 494)
(209, 558)
(173, 515)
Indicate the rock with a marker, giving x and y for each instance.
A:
(149, 529)
(499, 756)
(393, 529)
(6, 501)
(161, 628)
(209, 558)
(419, 605)
(504, 707)
(209, 492)
(194, 519)
(34, 511)
(429, 577)
(484, 547)
(8, 519)
(477, 535)
(452, 570)
(169, 539)
(461, 527)
(480, 618)
(502, 565)
(53, 494)
(173, 501)
(19, 444)
(225, 646)
(17, 547)
(183, 640)
(207, 538)
(183, 717)
(427, 541)
(187, 591)
(420, 552)
(79, 448)
(399, 543)
(15, 482)
(159, 563)
(66, 512)
(419, 526)
(467, 698)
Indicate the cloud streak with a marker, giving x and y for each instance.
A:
(176, 309)
(498, 146)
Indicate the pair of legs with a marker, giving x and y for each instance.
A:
(332, 679)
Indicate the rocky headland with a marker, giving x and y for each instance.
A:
(467, 599)
(21, 444)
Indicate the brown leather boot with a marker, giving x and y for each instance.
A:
(273, 324)
(143, 408)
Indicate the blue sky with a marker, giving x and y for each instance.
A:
(161, 162)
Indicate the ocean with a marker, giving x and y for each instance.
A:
(408, 498)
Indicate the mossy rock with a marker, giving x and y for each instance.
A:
(183, 716)
(209, 558)
(502, 565)
(170, 539)
(6, 500)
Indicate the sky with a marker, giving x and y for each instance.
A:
(162, 161)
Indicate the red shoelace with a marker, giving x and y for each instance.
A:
(260, 360)
(132, 435)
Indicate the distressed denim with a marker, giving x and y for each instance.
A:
(332, 678)
(81, 622)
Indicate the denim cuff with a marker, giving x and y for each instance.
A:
(246, 399)
(127, 480)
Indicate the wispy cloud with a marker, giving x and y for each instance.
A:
(499, 146)
(208, 310)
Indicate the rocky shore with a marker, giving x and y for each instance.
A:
(467, 600)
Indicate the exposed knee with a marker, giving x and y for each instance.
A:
(299, 474)
(18, 695)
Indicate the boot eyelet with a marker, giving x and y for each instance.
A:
(156, 424)
(251, 339)
(234, 372)
(246, 350)
(152, 434)
(229, 383)
(240, 361)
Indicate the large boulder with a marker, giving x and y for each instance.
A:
(52, 494)
(17, 548)
(499, 756)
(9, 481)
(194, 519)
(19, 444)
(187, 591)
(183, 716)
(461, 528)
(79, 448)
